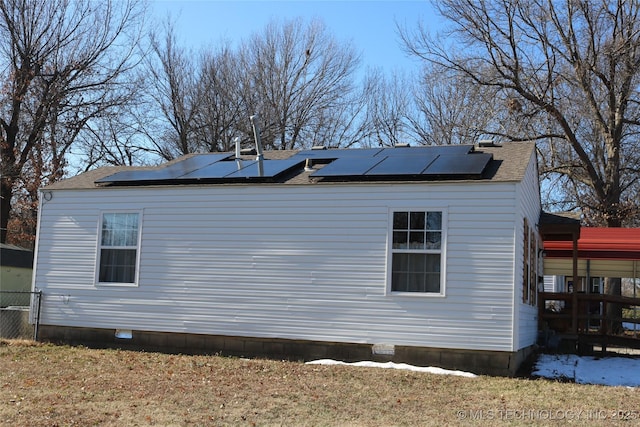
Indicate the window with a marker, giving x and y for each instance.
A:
(530, 265)
(525, 265)
(119, 242)
(416, 252)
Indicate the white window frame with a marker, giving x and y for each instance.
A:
(99, 248)
(442, 252)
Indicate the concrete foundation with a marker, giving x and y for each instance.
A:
(475, 361)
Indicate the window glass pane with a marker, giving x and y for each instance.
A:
(432, 263)
(433, 240)
(131, 237)
(117, 265)
(106, 236)
(120, 229)
(399, 282)
(432, 282)
(400, 240)
(415, 282)
(131, 229)
(400, 220)
(119, 237)
(107, 226)
(416, 240)
(434, 221)
(415, 272)
(417, 220)
(400, 263)
(417, 263)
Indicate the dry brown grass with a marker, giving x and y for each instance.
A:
(46, 385)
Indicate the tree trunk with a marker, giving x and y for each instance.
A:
(6, 193)
(613, 286)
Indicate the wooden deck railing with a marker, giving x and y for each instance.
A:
(589, 318)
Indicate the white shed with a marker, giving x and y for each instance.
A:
(427, 255)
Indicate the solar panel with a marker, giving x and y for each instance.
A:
(173, 171)
(401, 165)
(196, 162)
(433, 150)
(337, 153)
(270, 168)
(415, 163)
(218, 170)
(468, 164)
(347, 167)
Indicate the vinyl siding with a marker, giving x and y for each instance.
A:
(526, 319)
(299, 262)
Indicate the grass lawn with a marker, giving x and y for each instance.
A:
(47, 385)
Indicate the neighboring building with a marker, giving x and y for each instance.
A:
(427, 255)
(601, 252)
(16, 267)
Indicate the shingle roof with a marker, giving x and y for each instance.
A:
(509, 164)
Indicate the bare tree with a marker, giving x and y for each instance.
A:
(63, 64)
(175, 92)
(344, 125)
(570, 70)
(296, 75)
(113, 139)
(222, 115)
(451, 110)
(438, 108)
(388, 108)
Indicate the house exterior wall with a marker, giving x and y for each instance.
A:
(526, 314)
(304, 262)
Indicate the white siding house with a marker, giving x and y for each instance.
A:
(246, 268)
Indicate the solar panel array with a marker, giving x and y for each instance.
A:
(406, 163)
(206, 168)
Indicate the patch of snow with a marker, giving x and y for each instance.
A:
(391, 365)
(611, 371)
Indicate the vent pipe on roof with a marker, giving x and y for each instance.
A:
(308, 165)
(256, 136)
(236, 141)
(488, 143)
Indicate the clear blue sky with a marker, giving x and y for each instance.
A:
(369, 25)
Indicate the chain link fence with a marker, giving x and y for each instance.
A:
(19, 314)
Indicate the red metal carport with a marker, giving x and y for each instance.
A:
(601, 252)
(594, 252)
